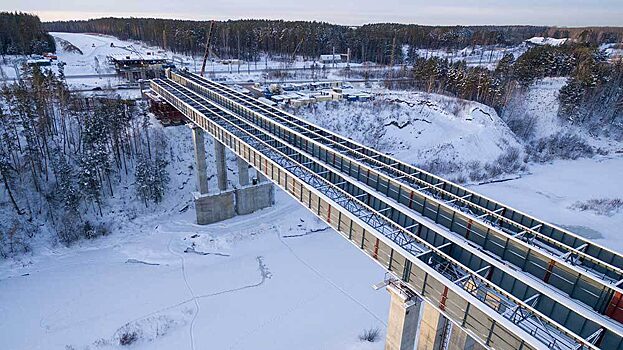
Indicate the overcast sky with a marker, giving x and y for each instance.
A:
(352, 12)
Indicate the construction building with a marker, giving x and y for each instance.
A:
(134, 67)
(325, 59)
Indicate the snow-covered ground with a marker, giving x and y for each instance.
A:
(551, 192)
(539, 40)
(613, 50)
(276, 279)
(257, 287)
(481, 56)
(420, 128)
(89, 68)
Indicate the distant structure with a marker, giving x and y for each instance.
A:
(302, 94)
(545, 41)
(39, 62)
(327, 59)
(135, 67)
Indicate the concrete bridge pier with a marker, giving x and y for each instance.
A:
(413, 323)
(260, 177)
(255, 196)
(200, 158)
(211, 207)
(403, 319)
(460, 340)
(433, 329)
(438, 333)
(226, 203)
(221, 165)
(243, 171)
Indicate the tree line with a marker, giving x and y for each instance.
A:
(23, 34)
(62, 157)
(592, 96)
(249, 39)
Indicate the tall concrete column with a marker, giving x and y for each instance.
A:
(459, 340)
(221, 166)
(402, 323)
(243, 171)
(432, 329)
(200, 158)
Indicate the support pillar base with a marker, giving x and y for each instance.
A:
(254, 197)
(211, 208)
(402, 324)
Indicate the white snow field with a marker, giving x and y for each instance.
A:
(95, 71)
(539, 40)
(270, 280)
(418, 127)
(552, 191)
(278, 278)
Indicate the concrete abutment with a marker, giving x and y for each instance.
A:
(252, 198)
(416, 324)
(226, 203)
(403, 319)
(211, 208)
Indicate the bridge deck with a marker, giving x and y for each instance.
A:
(532, 309)
(579, 283)
(600, 261)
(604, 261)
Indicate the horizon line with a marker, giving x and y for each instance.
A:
(320, 21)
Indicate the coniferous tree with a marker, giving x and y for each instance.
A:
(23, 34)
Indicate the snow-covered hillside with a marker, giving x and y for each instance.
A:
(260, 272)
(446, 135)
(539, 40)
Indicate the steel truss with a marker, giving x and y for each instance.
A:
(301, 166)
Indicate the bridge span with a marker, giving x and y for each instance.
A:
(464, 271)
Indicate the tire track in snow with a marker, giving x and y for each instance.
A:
(264, 275)
(325, 278)
(194, 298)
(294, 307)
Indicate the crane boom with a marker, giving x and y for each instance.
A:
(296, 49)
(207, 52)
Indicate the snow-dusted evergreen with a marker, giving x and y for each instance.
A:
(63, 157)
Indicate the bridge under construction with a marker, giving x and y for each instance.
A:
(463, 271)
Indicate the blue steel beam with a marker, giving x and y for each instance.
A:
(376, 225)
(598, 302)
(607, 262)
